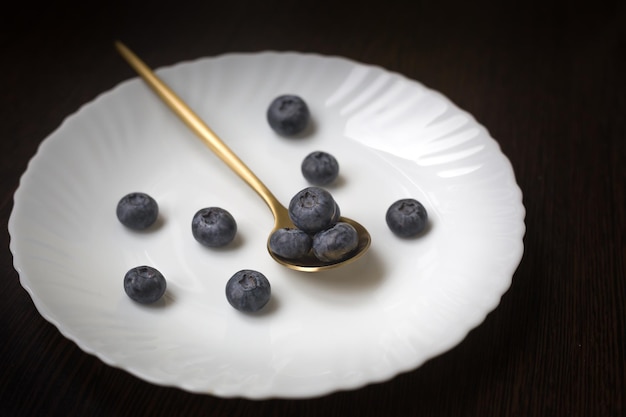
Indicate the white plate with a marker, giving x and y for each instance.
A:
(405, 302)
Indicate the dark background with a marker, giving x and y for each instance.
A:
(545, 77)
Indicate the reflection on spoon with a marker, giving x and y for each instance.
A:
(281, 215)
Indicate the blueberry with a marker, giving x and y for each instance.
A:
(137, 211)
(144, 284)
(320, 168)
(313, 209)
(290, 243)
(248, 291)
(288, 115)
(406, 217)
(213, 227)
(337, 215)
(335, 243)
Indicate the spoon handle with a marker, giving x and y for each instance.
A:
(193, 121)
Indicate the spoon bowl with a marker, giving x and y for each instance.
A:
(310, 263)
(281, 216)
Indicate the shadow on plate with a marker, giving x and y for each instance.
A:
(357, 278)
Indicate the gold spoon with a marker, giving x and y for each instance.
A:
(281, 216)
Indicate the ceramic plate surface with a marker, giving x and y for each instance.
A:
(403, 303)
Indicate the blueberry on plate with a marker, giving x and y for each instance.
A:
(213, 227)
(288, 115)
(406, 217)
(290, 243)
(137, 211)
(313, 209)
(144, 284)
(320, 168)
(248, 291)
(335, 243)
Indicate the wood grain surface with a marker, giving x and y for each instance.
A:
(547, 80)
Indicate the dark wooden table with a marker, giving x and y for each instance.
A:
(546, 78)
